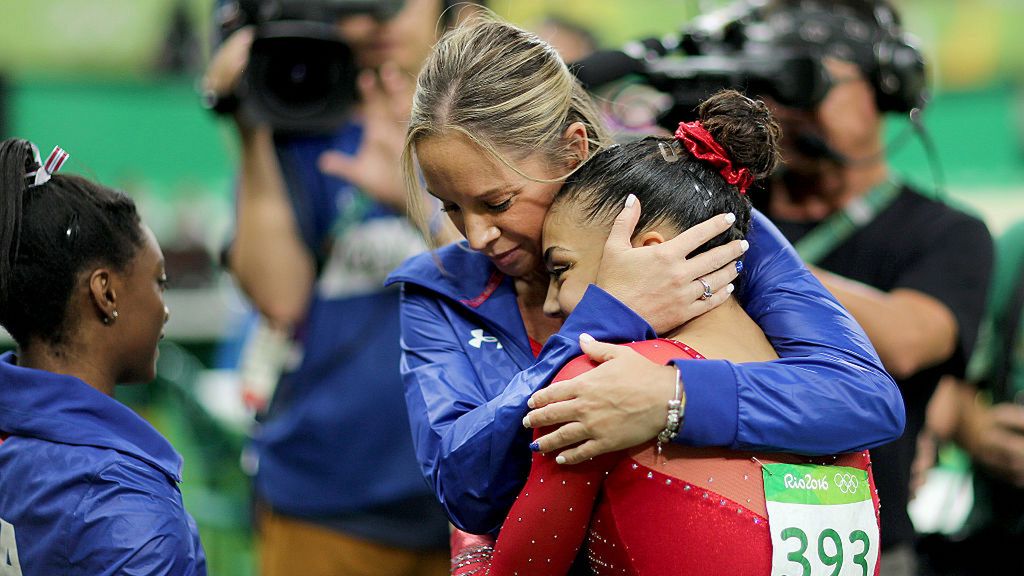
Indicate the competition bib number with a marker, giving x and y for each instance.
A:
(822, 520)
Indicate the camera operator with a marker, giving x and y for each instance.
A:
(985, 416)
(320, 222)
(913, 271)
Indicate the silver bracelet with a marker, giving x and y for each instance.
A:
(469, 556)
(674, 420)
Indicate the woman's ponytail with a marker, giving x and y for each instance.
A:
(16, 161)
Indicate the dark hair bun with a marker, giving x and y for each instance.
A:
(745, 128)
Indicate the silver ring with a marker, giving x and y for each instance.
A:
(707, 289)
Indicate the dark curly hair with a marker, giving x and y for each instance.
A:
(686, 192)
(49, 235)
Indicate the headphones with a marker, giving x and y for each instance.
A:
(865, 32)
(899, 74)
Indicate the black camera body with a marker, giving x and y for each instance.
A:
(301, 76)
(793, 79)
(772, 48)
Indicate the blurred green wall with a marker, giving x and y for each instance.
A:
(112, 81)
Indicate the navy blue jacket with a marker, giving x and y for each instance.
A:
(334, 447)
(468, 372)
(86, 485)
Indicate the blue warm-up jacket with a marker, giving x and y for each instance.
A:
(87, 487)
(468, 372)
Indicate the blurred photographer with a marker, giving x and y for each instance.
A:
(984, 415)
(913, 271)
(320, 222)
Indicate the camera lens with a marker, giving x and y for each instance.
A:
(301, 77)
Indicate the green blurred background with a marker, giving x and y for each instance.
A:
(113, 82)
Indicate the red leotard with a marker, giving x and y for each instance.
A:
(686, 511)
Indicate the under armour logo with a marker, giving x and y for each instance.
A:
(479, 338)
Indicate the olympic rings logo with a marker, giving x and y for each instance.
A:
(847, 483)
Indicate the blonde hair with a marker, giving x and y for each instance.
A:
(507, 91)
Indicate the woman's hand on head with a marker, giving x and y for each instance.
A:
(621, 403)
(659, 282)
(386, 97)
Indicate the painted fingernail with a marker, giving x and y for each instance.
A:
(730, 217)
(744, 245)
(535, 446)
(560, 459)
(526, 421)
(739, 266)
(729, 289)
(630, 200)
(584, 337)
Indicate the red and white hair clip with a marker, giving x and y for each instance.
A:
(54, 161)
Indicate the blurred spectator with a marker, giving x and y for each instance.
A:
(180, 53)
(572, 40)
(629, 106)
(913, 271)
(985, 416)
(320, 222)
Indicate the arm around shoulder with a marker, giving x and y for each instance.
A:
(468, 433)
(828, 393)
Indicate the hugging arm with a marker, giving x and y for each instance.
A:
(468, 434)
(828, 392)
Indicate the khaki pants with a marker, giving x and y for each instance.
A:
(292, 547)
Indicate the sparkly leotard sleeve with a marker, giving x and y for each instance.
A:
(685, 511)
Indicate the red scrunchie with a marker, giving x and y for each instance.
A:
(703, 146)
